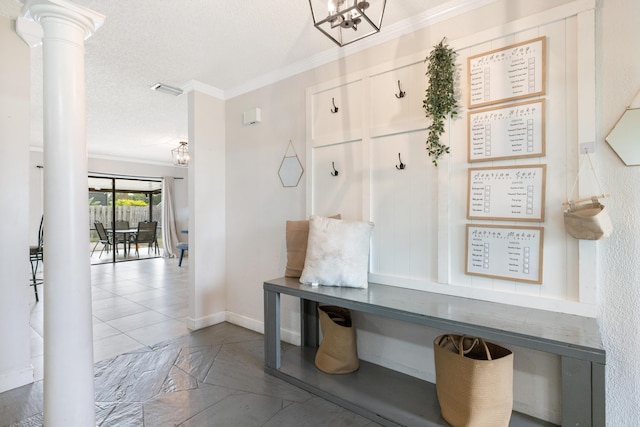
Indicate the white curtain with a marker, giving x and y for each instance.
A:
(169, 234)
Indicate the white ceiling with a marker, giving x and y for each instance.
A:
(231, 46)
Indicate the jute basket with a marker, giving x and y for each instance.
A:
(337, 353)
(474, 381)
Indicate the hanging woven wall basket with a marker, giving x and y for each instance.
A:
(587, 218)
(587, 221)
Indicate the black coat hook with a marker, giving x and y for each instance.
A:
(401, 165)
(401, 93)
(335, 172)
(334, 109)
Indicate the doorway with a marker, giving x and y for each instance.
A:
(133, 202)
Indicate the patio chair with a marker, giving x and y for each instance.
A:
(122, 225)
(122, 238)
(146, 234)
(103, 237)
(35, 256)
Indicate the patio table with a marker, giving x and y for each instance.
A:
(125, 233)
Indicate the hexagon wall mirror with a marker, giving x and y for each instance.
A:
(624, 138)
(291, 169)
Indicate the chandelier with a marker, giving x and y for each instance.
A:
(347, 21)
(180, 154)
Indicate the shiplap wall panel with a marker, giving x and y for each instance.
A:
(559, 119)
(390, 114)
(343, 125)
(340, 194)
(403, 208)
(423, 246)
(571, 154)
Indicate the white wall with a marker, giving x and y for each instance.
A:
(207, 226)
(15, 368)
(115, 167)
(619, 281)
(257, 205)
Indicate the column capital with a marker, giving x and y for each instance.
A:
(28, 24)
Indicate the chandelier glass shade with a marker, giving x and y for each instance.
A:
(346, 21)
(180, 154)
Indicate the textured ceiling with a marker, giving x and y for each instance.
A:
(224, 44)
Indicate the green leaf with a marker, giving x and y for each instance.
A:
(440, 101)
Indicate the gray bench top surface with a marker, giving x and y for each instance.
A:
(559, 333)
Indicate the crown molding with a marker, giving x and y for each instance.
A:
(443, 12)
(137, 160)
(195, 85)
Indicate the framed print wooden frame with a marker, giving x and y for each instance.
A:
(514, 193)
(508, 73)
(509, 132)
(505, 252)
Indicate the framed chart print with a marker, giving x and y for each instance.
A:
(514, 193)
(509, 73)
(505, 252)
(508, 132)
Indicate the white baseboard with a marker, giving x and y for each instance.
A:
(291, 337)
(15, 379)
(245, 322)
(203, 322)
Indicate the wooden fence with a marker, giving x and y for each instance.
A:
(133, 214)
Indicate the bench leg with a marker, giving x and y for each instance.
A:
(309, 324)
(579, 407)
(272, 330)
(181, 255)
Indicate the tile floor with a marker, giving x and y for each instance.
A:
(151, 371)
(135, 304)
(103, 257)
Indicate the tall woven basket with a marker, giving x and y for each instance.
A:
(474, 381)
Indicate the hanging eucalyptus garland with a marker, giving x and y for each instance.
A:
(440, 100)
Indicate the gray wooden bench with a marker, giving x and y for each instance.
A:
(392, 398)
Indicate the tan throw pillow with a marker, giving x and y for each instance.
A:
(297, 233)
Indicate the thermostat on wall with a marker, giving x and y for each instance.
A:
(252, 116)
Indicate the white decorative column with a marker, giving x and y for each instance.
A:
(68, 337)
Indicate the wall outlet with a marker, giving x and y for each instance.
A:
(587, 147)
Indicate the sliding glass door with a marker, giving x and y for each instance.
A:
(130, 202)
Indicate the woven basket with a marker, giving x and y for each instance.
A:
(587, 221)
(337, 353)
(474, 381)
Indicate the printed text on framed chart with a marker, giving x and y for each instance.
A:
(512, 72)
(514, 193)
(510, 132)
(505, 252)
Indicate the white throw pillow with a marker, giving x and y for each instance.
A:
(337, 252)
